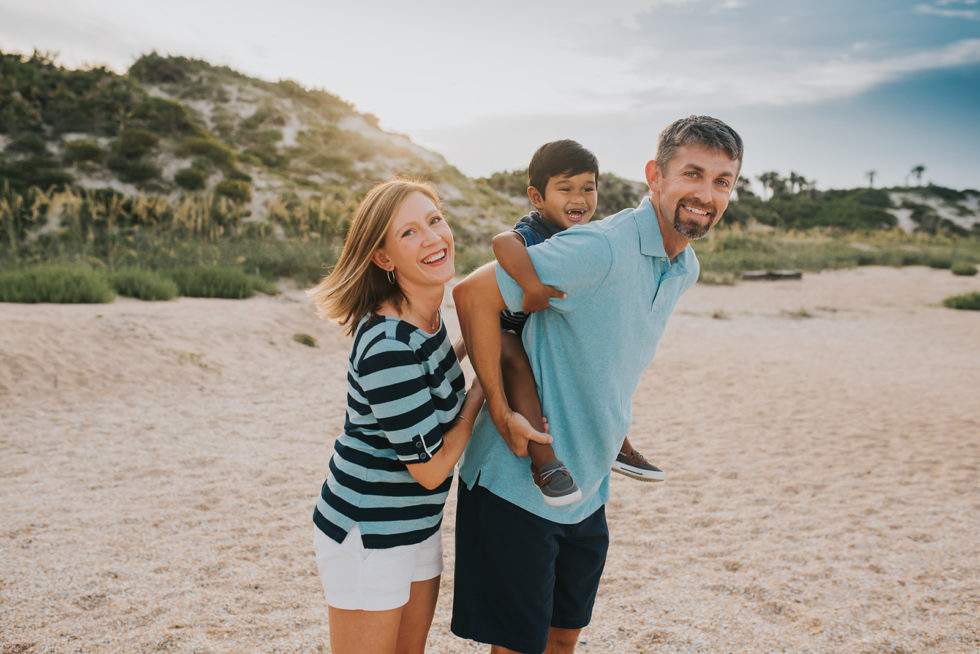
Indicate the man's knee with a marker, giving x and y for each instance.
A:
(562, 641)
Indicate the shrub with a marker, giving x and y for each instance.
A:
(191, 179)
(263, 285)
(82, 150)
(41, 172)
(134, 143)
(206, 281)
(28, 142)
(206, 147)
(305, 339)
(963, 268)
(969, 301)
(239, 175)
(133, 171)
(143, 284)
(55, 283)
(234, 189)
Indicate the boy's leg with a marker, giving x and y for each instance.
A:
(550, 475)
(633, 464)
(522, 392)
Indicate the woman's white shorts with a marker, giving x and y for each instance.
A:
(373, 580)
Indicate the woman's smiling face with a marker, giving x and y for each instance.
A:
(418, 245)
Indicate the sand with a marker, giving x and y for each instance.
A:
(821, 438)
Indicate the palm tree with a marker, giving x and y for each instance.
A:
(771, 182)
(871, 177)
(743, 188)
(917, 173)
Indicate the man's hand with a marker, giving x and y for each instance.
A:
(517, 431)
(538, 298)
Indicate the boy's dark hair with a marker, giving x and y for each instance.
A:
(705, 131)
(564, 157)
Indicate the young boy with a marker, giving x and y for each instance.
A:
(562, 186)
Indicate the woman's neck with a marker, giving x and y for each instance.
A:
(419, 307)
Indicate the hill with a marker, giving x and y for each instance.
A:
(173, 126)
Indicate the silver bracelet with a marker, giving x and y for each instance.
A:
(462, 417)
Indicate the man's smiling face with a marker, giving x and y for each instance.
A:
(692, 192)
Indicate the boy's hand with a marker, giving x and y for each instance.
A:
(538, 298)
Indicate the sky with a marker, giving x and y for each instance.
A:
(829, 90)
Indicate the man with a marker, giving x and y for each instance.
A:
(526, 572)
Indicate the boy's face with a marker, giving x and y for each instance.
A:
(567, 200)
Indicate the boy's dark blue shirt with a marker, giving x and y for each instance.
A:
(534, 229)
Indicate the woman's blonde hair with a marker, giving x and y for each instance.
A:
(356, 286)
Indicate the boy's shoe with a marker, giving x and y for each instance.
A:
(635, 465)
(556, 484)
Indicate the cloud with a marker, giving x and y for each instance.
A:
(785, 83)
(969, 14)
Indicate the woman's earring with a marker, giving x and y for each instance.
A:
(391, 276)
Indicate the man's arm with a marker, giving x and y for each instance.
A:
(511, 254)
(478, 305)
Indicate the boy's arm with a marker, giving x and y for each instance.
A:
(511, 254)
(478, 305)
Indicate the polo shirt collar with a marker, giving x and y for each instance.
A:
(651, 240)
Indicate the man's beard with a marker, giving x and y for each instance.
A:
(691, 229)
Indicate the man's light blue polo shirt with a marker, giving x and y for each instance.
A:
(587, 352)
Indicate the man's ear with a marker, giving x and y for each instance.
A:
(534, 195)
(653, 175)
(381, 260)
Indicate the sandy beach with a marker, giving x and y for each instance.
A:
(821, 438)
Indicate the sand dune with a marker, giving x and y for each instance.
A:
(158, 463)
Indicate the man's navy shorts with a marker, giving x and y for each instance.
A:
(518, 574)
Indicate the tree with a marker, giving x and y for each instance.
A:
(917, 173)
(772, 182)
(871, 177)
(743, 188)
(798, 183)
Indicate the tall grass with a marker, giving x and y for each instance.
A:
(143, 284)
(57, 284)
(969, 301)
(220, 282)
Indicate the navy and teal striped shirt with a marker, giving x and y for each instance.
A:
(404, 390)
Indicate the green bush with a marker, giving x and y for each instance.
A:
(28, 142)
(239, 175)
(207, 147)
(41, 172)
(134, 143)
(133, 171)
(234, 189)
(207, 281)
(55, 283)
(304, 339)
(963, 268)
(143, 284)
(263, 285)
(969, 301)
(191, 179)
(82, 150)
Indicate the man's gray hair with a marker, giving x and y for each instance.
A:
(705, 131)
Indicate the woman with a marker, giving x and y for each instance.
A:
(378, 517)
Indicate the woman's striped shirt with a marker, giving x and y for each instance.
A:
(404, 390)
